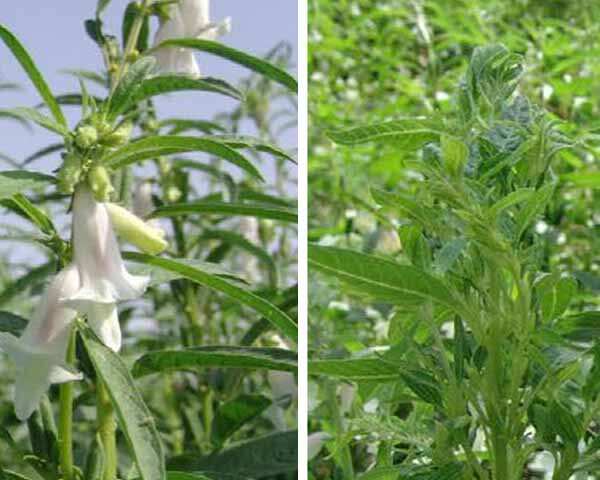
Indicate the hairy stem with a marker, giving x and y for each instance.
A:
(65, 426)
(107, 429)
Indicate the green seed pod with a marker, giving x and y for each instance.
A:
(99, 181)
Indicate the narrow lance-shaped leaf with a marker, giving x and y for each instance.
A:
(31, 114)
(278, 318)
(135, 419)
(32, 71)
(153, 147)
(407, 133)
(216, 357)
(18, 181)
(224, 208)
(380, 278)
(253, 63)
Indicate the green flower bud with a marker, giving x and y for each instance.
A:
(99, 181)
(173, 194)
(119, 137)
(69, 174)
(144, 235)
(86, 136)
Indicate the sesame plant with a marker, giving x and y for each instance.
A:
(153, 335)
(487, 364)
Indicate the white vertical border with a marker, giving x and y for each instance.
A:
(302, 239)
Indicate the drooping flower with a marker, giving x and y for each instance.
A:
(104, 280)
(188, 19)
(40, 352)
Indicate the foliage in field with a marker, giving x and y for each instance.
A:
(453, 204)
(204, 386)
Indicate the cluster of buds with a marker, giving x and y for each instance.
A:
(86, 147)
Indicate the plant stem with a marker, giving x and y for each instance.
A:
(65, 426)
(107, 428)
(132, 41)
(344, 456)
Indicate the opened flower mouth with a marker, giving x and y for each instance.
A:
(39, 354)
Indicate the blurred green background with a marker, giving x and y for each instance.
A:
(377, 60)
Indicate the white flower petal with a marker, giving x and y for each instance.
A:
(104, 320)
(103, 276)
(39, 354)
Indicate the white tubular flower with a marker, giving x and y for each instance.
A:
(188, 19)
(104, 280)
(40, 352)
(316, 441)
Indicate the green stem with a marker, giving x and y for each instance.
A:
(345, 456)
(132, 41)
(107, 429)
(65, 426)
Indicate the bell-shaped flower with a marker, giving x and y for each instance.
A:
(104, 280)
(40, 352)
(188, 19)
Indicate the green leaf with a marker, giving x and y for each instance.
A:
(187, 476)
(406, 133)
(356, 369)
(425, 386)
(382, 279)
(233, 415)
(253, 63)
(534, 207)
(266, 456)
(241, 242)
(129, 86)
(153, 147)
(195, 358)
(23, 207)
(278, 318)
(135, 419)
(237, 141)
(223, 208)
(582, 179)
(18, 181)
(31, 279)
(513, 198)
(160, 275)
(34, 74)
(449, 254)
(31, 114)
(176, 83)
(12, 323)
(181, 125)
(455, 154)
(580, 327)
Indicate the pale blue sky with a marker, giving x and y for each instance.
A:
(52, 31)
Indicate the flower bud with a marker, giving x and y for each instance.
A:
(69, 174)
(99, 181)
(118, 137)
(173, 194)
(145, 236)
(86, 136)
